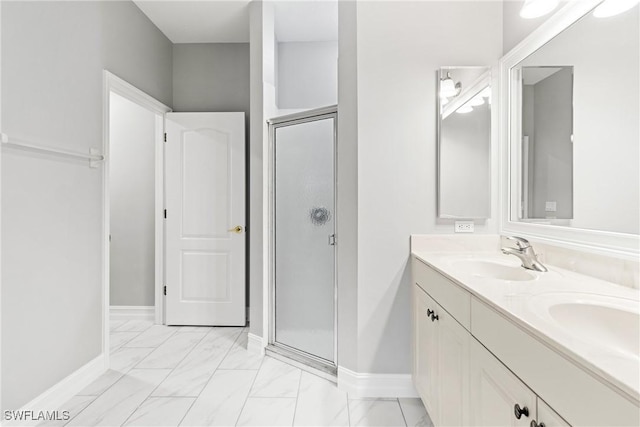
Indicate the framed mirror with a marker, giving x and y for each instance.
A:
(573, 130)
(464, 142)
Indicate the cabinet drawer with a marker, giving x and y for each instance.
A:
(578, 395)
(450, 296)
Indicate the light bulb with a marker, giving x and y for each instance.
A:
(613, 7)
(447, 88)
(537, 8)
(464, 109)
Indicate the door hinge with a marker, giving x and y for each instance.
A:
(165, 137)
(165, 214)
(165, 289)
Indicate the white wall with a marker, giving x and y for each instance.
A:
(307, 74)
(400, 45)
(132, 191)
(53, 54)
(605, 128)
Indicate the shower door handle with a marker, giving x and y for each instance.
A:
(332, 239)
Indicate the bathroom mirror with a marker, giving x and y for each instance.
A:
(464, 142)
(574, 128)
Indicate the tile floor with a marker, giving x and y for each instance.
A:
(198, 376)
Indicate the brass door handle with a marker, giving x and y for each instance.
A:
(237, 229)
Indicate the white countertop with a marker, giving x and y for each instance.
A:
(526, 303)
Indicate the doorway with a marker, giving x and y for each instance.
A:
(303, 241)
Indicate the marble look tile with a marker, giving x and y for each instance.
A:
(320, 403)
(415, 414)
(192, 374)
(115, 324)
(196, 329)
(100, 384)
(172, 351)
(160, 411)
(153, 337)
(116, 404)
(134, 326)
(74, 406)
(126, 358)
(267, 411)
(239, 358)
(117, 339)
(221, 401)
(276, 379)
(375, 412)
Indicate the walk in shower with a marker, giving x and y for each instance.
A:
(303, 241)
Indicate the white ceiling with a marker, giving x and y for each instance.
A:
(204, 21)
(227, 21)
(532, 75)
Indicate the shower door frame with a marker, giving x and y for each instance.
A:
(311, 360)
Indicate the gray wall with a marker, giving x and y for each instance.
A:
(53, 54)
(211, 77)
(307, 75)
(132, 136)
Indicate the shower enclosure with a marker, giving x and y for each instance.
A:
(302, 240)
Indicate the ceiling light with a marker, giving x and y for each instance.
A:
(448, 88)
(476, 101)
(444, 101)
(613, 7)
(486, 92)
(464, 109)
(537, 8)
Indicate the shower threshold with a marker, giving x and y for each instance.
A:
(308, 363)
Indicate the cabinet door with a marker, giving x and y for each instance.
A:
(453, 364)
(547, 417)
(495, 392)
(425, 362)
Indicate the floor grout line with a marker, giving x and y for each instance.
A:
(249, 392)
(295, 408)
(402, 412)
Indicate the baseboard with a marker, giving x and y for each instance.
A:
(132, 312)
(375, 385)
(60, 393)
(254, 344)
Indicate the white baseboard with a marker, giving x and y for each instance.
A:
(254, 344)
(60, 393)
(375, 385)
(132, 312)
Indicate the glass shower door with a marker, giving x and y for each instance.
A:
(304, 293)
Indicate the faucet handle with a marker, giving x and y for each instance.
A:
(520, 242)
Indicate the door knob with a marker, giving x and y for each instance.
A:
(237, 229)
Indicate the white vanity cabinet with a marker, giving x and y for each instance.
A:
(441, 361)
(460, 381)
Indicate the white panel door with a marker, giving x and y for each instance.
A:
(205, 234)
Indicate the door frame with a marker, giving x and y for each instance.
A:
(269, 233)
(114, 84)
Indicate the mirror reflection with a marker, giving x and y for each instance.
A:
(575, 116)
(547, 131)
(464, 142)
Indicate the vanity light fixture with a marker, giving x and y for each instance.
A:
(613, 7)
(466, 108)
(537, 8)
(448, 88)
(476, 101)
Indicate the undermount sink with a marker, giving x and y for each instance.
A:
(602, 320)
(492, 270)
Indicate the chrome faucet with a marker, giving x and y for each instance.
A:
(525, 252)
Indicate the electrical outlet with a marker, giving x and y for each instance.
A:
(464, 227)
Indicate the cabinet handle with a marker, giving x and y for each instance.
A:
(519, 412)
(429, 312)
(434, 317)
(535, 424)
